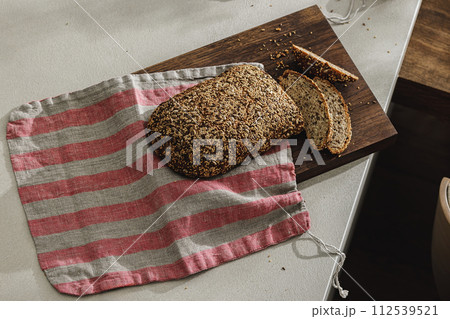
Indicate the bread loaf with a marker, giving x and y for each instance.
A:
(341, 129)
(244, 102)
(315, 65)
(312, 105)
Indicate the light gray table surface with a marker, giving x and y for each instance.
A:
(50, 47)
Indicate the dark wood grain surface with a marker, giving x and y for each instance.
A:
(424, 80)
(372, 129)
(427, 59)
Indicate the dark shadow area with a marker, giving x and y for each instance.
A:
(390, 252)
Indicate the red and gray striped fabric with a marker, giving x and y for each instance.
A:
(85, 207)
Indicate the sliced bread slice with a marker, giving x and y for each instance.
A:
(312, 105)
(318, 66)
(341, 130)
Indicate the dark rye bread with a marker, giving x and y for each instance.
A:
(341, 130)
(318, 66)
(312, 104)
(244, 102)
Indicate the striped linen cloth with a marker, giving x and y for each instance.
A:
(98, 224)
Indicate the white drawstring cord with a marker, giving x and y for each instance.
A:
(349, 16)
(340, 262)
(329, 248)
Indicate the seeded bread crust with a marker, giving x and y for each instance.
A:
(312, 104)
(320, 67)
(342, 127)
(244, 102)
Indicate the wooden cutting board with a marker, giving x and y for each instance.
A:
(372, 129)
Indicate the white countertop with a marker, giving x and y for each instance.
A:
(52, 47)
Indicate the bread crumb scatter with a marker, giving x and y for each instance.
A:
(239, 40)
(277, 29)
(281, 65)
(358, 87)
(364, 24)
(262, 30)
(311, 32)
(388, 51)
